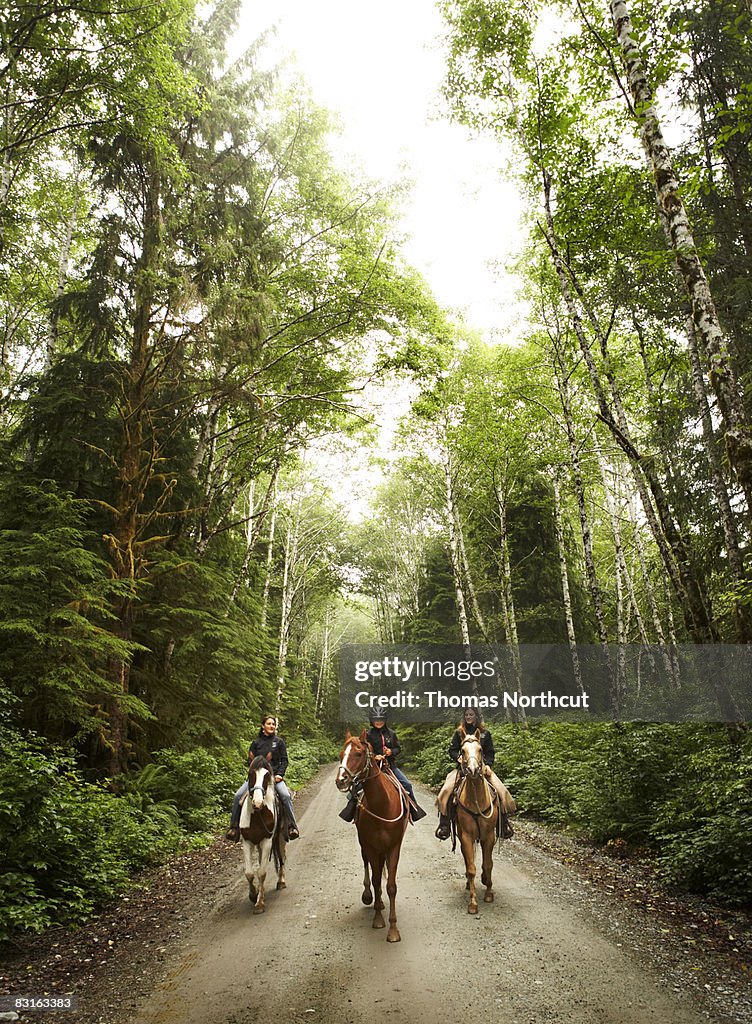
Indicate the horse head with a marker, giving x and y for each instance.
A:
(471, 756)
(259, 777)
(354, 760)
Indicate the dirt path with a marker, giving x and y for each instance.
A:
(538, 954)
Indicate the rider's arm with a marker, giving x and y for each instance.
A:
(489, 753)
(283, 759)
(454, 746)
(395, 745)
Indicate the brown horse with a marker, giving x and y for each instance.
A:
(381, 820)
(477, 817)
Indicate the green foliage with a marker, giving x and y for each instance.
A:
(68, 845)
(306, 757)
(54, 601)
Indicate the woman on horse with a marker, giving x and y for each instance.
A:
(386, 746)
(470, 724)
(267, 742)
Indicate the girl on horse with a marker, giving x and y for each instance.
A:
(385, 745)
(267, 742)
(470, 724)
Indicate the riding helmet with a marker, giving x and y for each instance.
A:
(377, 715)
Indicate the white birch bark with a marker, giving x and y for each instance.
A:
(564, 573)
(453, 548)
(736, 430)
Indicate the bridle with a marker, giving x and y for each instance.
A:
(357, 776)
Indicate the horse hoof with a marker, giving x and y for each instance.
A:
(367, 897)
(259, 909)
(472, 909)
(488, 898)
(393, 936)
(281, 885)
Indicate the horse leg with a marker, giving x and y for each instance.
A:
(393, 856)
(377, 871)
(264, 850)
(468, 852)
(367, 896)
(487, 846)
(249, 870)
(281, 880)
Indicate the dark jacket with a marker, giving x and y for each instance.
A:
(486, 745)
(274, 743)
(380, 739)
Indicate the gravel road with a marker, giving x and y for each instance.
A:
(539, 953)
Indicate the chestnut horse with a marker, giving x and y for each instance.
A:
(263, 839)
(381, 821)
(477, 817)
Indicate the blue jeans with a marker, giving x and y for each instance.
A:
(282, 792)
(405, 781)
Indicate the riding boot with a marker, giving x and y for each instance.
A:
(348, 811)
(416, 812)
(445, 827)
(506, 827)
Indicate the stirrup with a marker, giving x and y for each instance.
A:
(444, 828)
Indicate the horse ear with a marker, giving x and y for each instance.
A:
(363, 736)
(348, 736)
(477, 734)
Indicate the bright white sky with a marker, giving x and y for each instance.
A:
(380, 67)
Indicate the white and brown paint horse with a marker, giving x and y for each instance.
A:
(381, 821)
(263, 839)
(477, 818)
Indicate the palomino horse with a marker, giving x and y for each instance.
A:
(263, 838)
(381, 820)
(477, 817)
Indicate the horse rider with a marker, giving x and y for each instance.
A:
(386, 746)
(267, 742)
(468, 726)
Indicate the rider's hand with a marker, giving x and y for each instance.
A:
(387, 752)
(277, 778)
(487, 770)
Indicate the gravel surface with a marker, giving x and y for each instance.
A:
(573, 937)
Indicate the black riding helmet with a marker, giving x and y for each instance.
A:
(377, 715)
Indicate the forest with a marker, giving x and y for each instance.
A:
(201, 316)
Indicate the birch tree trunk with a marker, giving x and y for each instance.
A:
(269, 558)
(507, 595)
(569, 617)
(454, 548)
(324, 666)
(671, 545)
(736, 430)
